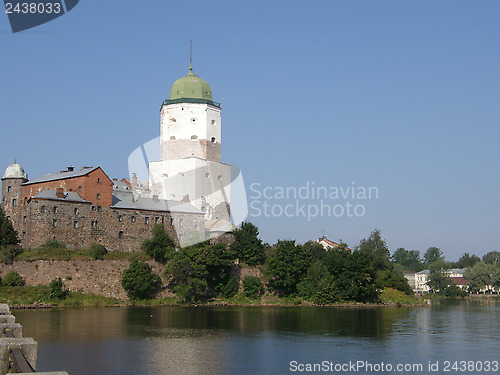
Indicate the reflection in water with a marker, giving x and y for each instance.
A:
(257, 340)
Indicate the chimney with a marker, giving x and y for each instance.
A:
(134, 179)
(71, 169)
(60, 193)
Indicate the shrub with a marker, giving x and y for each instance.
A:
(140, 282)
(252, 287)
(195, 290)
(57, 290)
(9, 253)
(53, 244)
(160, 247)
(13, 279)
(98, 251)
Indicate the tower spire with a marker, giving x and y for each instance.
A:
(191, 58)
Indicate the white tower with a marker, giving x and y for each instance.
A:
(190, 167)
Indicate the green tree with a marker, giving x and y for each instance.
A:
(409, 259)
(212, 264)
(8, 236)
(481, 276)
(57, 290)
(247, 244)
(493, 257)
(393, 279)
(467, 261)
(376, 249)
(433, 254)
(288, 266)
(140, 282)
(98, 251)
(439, 281)
(160, 247)
(9, 253)
(13, 279)
(314, 282)
(193, 291)
(252, 287)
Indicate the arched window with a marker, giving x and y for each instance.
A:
(213, 139)
(9, 189)
(172, 138)
(194, 137)
(14, 202)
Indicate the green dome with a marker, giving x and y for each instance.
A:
(191, 87)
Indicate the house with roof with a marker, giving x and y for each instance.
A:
(456, 275)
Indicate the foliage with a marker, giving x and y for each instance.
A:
(390, 295)
(393, 279)
(482, 276)
(140, 282)
(493, 257)
(432, 255)
(57, 290)
(247, 245)
(98, 251)
(8, 236)
(194, 290)
(53, 244)
(376, 249)
(13, 279)
(438, 281)
(467, 261)
(288, 266)
(160, 247)
(211, 264)
(9, 253)
(252, 287)
(409, 259)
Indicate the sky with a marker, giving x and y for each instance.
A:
(398, 99)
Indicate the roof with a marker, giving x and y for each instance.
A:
(15, 171)
(147, 204)
(69, 196)
(62, 175)
(329, 242)
(192, 87)
(459, 281)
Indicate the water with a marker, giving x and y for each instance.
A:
(264, 340)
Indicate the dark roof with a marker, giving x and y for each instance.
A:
(125, 201)
(62, 175)
(69, 196)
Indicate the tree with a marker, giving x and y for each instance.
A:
(481, 276)
(393, 279)
(212, 264)
(98, 251)
(376, 249)
(467, 261)
(439, 281)
(432, 255)
(493, 257)
(252, 287)
(8, 236)
(57, 290)
(140, 282)
(288, 266)
(409, 259)
(13, 279)
(160, 247)
(247, 244)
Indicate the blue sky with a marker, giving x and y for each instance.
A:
(401, 96)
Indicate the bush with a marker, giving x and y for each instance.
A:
(53, 244)
(252, 287)
(13, 279)
(140, 282)
(195, 290)
(98, 251)
(9, 253)
(57, 290)
(160, 247)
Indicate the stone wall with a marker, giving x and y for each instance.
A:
(100, 277)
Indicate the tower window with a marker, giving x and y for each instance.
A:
(75, 224)
(172, 138)
(213, 139)
(98, 196)
(171, 221)
(14, 202)
(43, 209)
(132, 219)
(173, 119)
(76, 211)
(194, 137)
(99, 209)
(54, 210)
(213, 122)
(79, 189)
(219, 177)
(94, 223)
(98, 180)
(181, 223)
(120, 234)
(9, 189)
(207, 175)
(54, 223)
(120, 218)
(146, 220)
(193, 120)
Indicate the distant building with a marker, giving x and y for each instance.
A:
(329, 244)
(422, 277)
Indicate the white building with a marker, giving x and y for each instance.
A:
(422, 277)
(190, 167)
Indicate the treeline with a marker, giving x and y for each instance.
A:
(302, 271)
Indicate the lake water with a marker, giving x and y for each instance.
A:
(268, 340)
